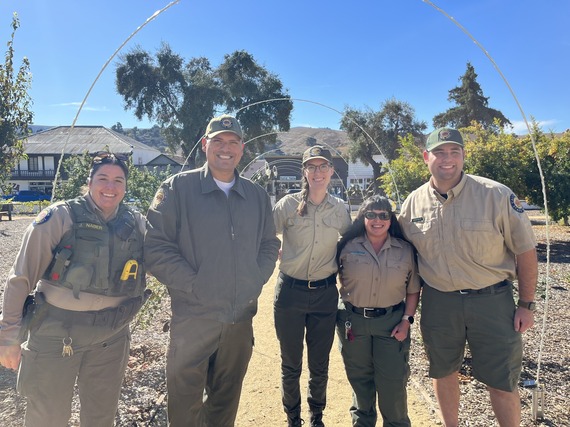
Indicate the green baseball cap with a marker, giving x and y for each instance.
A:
(443, 136)
(225, 123)
(317, 152)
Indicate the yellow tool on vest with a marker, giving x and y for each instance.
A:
(130, 270)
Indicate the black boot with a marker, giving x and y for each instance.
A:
(295, 420)
(317, 419)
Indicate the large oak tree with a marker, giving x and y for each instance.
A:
(378, 132)
(182, 96)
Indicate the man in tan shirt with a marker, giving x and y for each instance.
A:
(473, 238)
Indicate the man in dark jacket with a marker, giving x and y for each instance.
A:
(211, 240)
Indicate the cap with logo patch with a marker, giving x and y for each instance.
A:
(443, 136)
(317, 152)
(225, 123)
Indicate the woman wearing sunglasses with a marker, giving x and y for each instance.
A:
(83, 259)
(306, 296)
(379, 292)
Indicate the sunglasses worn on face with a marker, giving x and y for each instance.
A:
(384, 216)
(325, 167)
(104, 157)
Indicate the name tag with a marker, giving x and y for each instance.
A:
(420, 219)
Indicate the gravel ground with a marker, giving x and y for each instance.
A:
(550, 329)
(546, 348)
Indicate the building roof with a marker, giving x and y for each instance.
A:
(167, 159)
(80, 138)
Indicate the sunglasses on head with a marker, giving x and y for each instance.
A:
(384, 216)
(105, 156)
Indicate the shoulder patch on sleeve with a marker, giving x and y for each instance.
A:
(43, 216)
(516, 203)
(159, 197)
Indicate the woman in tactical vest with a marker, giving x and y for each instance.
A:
(82, 260)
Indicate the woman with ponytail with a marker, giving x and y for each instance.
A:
(306, 296)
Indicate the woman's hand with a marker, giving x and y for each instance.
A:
(400, 331)
(10, 356)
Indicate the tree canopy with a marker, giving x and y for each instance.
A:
(471, 105)
(554, 153)
(500, 156)
(15, 104)
(379, 132)
(182, 96)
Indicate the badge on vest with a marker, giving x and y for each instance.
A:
(418, 220)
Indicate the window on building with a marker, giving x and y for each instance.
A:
(33, 164)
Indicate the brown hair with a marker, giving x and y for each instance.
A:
(302, 208)
(105, 158)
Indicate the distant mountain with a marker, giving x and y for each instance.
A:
(298, 139)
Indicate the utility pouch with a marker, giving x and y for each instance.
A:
(59, 263)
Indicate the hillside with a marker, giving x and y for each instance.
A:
(298, 139)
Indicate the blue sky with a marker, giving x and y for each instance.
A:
(329, 55)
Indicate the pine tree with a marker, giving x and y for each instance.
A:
(471, 105)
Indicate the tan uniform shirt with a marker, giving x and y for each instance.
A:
(370, 279)
(309, 242)
(470, 239)
(34, 257)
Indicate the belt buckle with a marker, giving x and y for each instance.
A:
(311, 286)
(366, 316)
(464, 292)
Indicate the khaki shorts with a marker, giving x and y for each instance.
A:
(486, 322)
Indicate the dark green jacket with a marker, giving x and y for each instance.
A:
(213, 252)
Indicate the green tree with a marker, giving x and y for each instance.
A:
(142, 186)
(183, 96)
(471, 105)
(499, 156)
(395, 119)
(118, 127)
(554, 153)
(15, 104)
(77, 169)
(407, 171)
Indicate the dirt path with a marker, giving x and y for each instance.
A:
(260, 403)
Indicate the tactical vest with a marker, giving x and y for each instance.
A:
(97, 257)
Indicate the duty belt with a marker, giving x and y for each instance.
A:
(113, 318)
(372, 312)
(309, 284)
